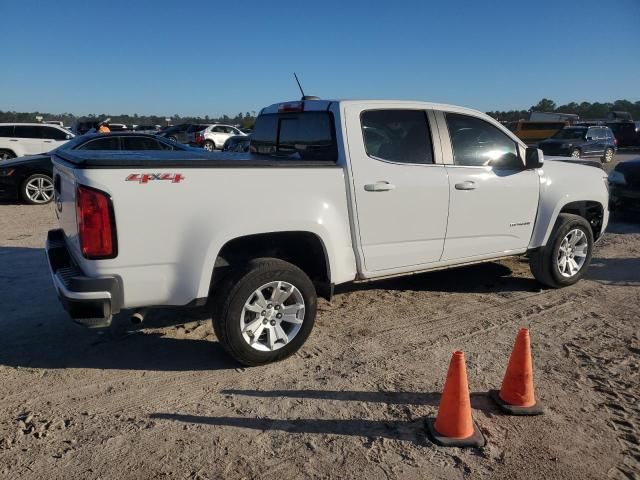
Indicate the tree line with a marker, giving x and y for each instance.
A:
(585, 110)
(245, 120)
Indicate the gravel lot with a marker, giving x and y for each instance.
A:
(164, 401)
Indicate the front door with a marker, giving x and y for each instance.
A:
(401, 193)
(494, 200)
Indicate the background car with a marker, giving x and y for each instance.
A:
(214, 136)
(145, 129)
(30, 178)
(237, 143)
(180, 133)
(18, 139)
(82, 127)
(624, 186)
(581, 142)
(625, 133)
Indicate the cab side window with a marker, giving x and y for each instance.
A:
(477, 143)
(106, 143)
(401, 136)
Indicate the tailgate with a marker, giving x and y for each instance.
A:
(64, 182)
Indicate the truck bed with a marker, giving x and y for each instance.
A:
(86, 159)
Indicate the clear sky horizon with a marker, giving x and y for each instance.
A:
(212, 58)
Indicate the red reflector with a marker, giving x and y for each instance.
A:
(291, 107)
(95, 228)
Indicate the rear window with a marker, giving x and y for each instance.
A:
(303, 135)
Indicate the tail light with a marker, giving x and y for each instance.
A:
(96, 225)
(199, 138)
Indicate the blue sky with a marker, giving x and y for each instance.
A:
(196, 58)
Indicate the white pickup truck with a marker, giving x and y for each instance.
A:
(331, 192)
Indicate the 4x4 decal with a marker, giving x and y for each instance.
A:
(147, 177)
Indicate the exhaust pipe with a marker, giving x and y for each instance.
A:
(138, 317)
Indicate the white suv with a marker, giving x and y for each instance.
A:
(214, 136)
(19, 139)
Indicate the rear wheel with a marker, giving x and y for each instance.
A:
(173, 139)
(6, 155)
(209, 145)
(37, 189)
(264, 312)
(608, 155)
(575, 153)
(567, 255)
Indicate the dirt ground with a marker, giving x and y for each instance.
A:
(163, 401)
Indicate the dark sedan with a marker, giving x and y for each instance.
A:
(30, 178)
(624, 186)
(237, 143)
(581, 142)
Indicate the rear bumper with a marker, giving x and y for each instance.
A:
(89, 301)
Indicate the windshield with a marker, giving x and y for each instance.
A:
(571, 133)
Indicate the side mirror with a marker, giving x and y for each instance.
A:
(533, 158)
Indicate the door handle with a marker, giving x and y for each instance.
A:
(466, 185)
(13, 139)
(46, 141)
(379, 187)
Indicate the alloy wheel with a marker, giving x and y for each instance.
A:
(39, 190)
(272, 316)
(572, 253)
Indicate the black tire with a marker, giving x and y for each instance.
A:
(576, 153)
(40, 199)
(210, 144)
(607, 151)
(6, 155)
(238, 287)
(543, 262)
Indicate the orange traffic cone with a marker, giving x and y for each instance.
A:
(517, 396)
(454, 427)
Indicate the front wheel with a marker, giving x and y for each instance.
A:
(567, 255)
(264, 312)
(608, 155)
(575, 153)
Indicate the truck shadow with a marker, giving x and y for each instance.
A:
(35, 331)
(615, 271)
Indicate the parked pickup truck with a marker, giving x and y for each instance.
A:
(331, 192)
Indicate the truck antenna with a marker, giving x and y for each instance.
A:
(304, 97)
(299, 86)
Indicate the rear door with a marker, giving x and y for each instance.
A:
(30, 139)
(493, 199)
(401, 190)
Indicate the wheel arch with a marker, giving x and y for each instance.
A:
(304, 249)
(591, 210)
(9, 150)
